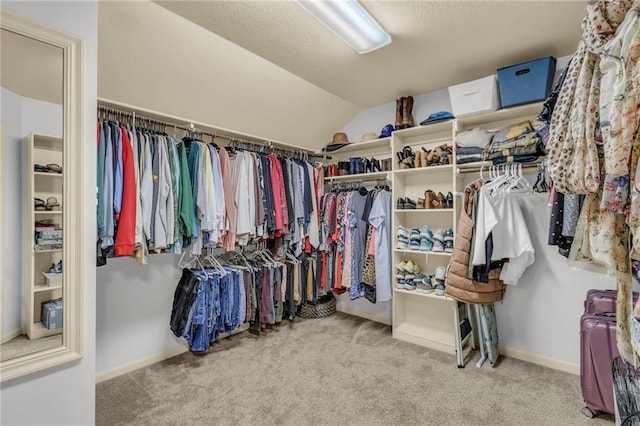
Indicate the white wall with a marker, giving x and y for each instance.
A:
(541, 315)
(66, 395)
(134, 309)
(20, 116)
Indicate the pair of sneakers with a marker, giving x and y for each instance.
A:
(402, 236)
(406, 273)
(443, 240)
(423, 283)
(439, 279)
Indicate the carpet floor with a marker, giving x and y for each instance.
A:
(22, 345)
(336, 371)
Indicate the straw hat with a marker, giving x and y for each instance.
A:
(368, 137)
(338, 141)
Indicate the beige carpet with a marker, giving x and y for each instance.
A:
(335, 371)
(21, 345)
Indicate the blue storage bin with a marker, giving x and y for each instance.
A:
(527, 82)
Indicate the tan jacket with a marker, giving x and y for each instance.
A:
(459, 286)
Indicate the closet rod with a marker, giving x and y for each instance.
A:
(184, 124)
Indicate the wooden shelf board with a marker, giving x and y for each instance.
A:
(43, 287)
(360, 176)
(514, 113)
(47, 251)
(47, 212)
(423, 210)
(425, 253)
(422, 335)
(38, 330)
(360, 146)
(431, 295)
(426, 130)
(48, 142)
(447, 168)
(48, 174)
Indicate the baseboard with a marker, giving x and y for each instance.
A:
(12, 335)
(542, 360)
(144, 362)
(384, 319)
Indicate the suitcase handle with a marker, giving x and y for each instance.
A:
(472, 92)
(524, 71)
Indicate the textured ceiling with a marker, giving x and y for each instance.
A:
(435, 43)
(30, 68)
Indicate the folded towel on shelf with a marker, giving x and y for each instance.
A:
(464, 150)
(475, 137)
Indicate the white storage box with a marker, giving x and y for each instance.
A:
(475, 96)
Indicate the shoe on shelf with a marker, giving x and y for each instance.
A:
(438, 246)
(429, 198)
(439, 201)
(440, 273)
(400, 282)
(418, 281)
(428, 287)
(412, 267)
(402, 267)
(408, 282)
(426, 233)
(425, 244)
(438, 235)
(375, 165)
(448, 201)
(403, 232)
(448, 246)
(409, 204)
(414, 245)
(415, 235)
(403, 243)
(400, 204)
(440, 290)
(420, 204)
(448, 234)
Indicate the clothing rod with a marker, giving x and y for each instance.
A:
(180, 122)
(475, 167)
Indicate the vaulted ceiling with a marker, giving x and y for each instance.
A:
(270, 69)
(435, 43)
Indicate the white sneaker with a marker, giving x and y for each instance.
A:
(440, 273)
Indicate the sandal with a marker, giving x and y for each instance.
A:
(39, 204)
(55, 168)
(439, 201)
(39, 168)
(52, 204)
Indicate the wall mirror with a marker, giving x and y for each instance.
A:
(41, 193)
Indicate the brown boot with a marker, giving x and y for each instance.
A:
(399, 113)
(407, 113)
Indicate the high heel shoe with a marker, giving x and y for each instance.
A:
(375, 165)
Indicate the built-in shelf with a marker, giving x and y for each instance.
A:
(501, 115)
(431, 295)
(381, 143)
(427, 129)
(48, 251)
(360, 176)
(43, 287)
(48, 174)
(423, 211)
(424, 253)
(475, 167)
(447, 168)
(45, 212)
(38, 330)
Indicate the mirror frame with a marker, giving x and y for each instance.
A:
(72, 347)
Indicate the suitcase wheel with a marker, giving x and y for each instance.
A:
(587, 412)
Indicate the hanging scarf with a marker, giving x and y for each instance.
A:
(573, 160)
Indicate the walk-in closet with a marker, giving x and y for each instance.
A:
(320, 212)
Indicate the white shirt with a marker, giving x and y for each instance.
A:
(380, 219)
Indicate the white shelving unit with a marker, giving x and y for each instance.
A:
(41, 149)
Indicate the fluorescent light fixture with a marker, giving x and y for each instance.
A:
(348, 20)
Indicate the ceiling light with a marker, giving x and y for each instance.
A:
(349, 21)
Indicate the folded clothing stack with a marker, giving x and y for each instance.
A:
(471, 144)
(48, 238)
(518, 143)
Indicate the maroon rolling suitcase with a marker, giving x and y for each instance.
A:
(597, 351)
(602, 301)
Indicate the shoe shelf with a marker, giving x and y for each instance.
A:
(422, 252)
(41, 150)
(359, 176)
(381, 144)
(431, 295)
(446, 169)
(497, 119)
(400, 211)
